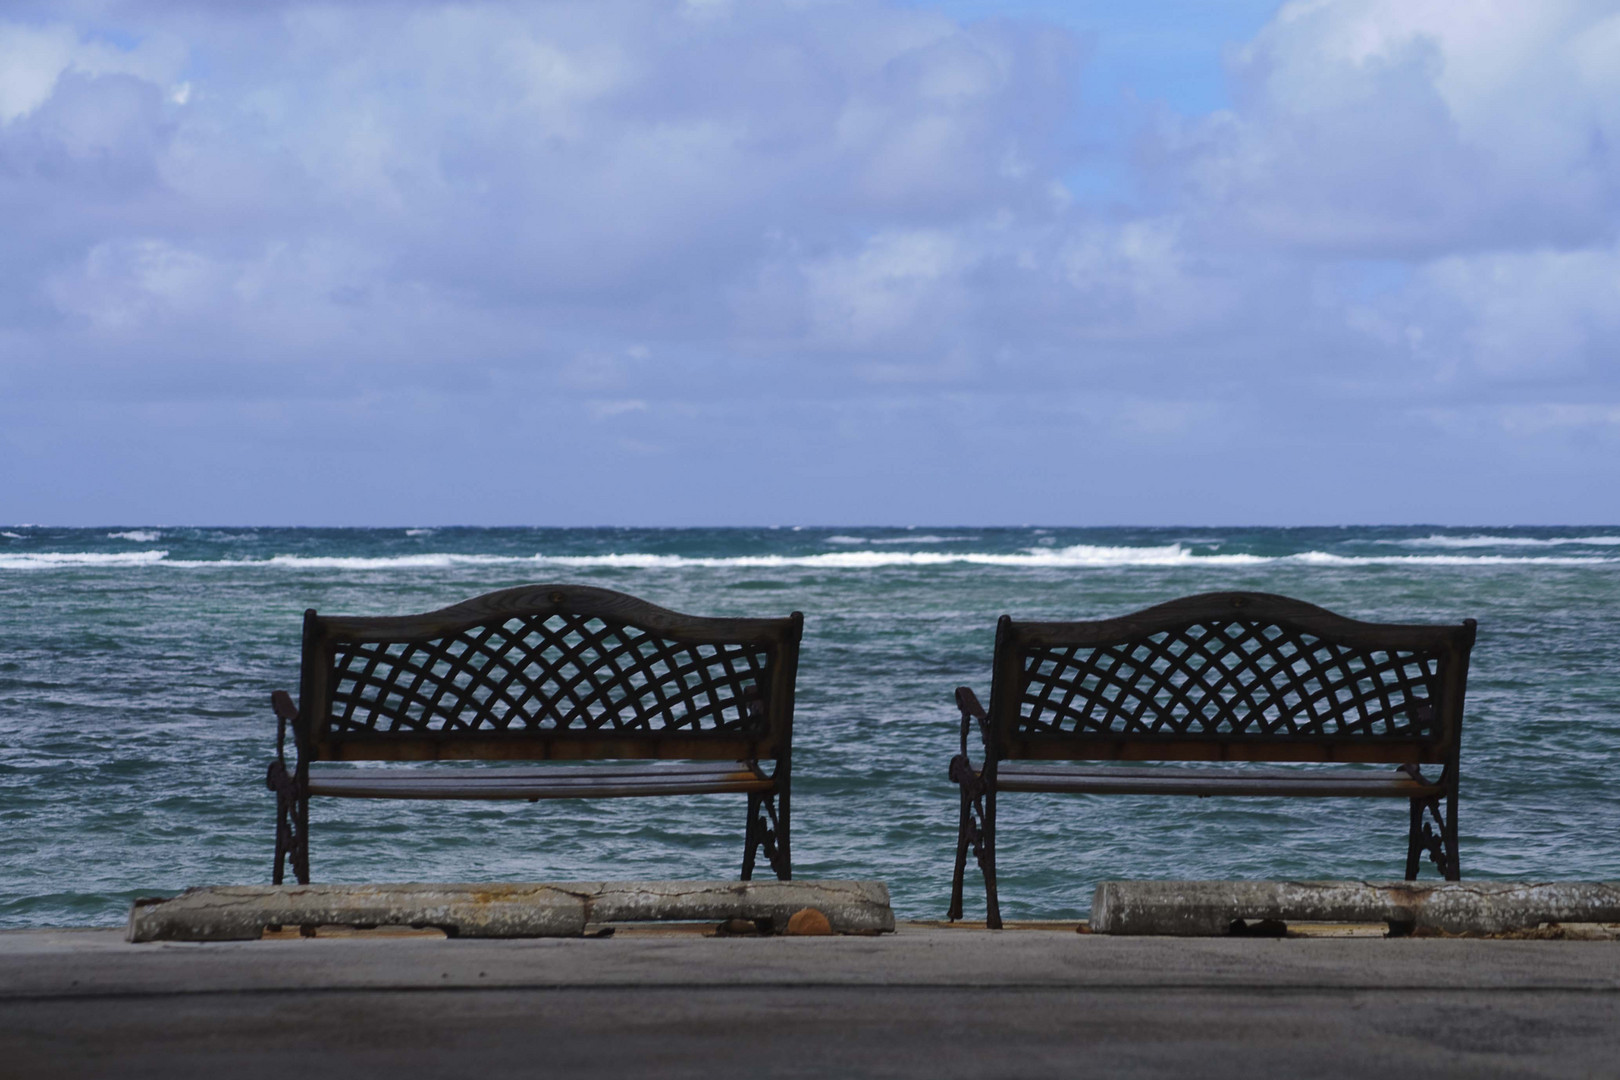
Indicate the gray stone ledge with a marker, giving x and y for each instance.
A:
(1208, 908)
(559, 909)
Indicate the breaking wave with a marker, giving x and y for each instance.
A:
(49, 560)
(1505, 541)
(924, 539)
(1078, 556)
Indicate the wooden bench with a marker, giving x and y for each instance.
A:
(542, 673)
(1223, 677)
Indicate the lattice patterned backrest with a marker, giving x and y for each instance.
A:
(548, 662)
(1232, 668)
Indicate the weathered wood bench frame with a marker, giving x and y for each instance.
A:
(1222, 677)
(542, 673)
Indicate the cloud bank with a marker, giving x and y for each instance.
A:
(715, 263)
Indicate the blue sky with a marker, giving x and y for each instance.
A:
(403, 261)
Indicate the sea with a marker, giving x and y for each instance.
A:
(137, 662)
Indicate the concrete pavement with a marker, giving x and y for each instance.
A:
(924, 1001)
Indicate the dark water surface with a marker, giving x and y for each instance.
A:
(135, 729)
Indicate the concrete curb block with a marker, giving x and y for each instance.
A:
(1208, 908)
(561, 909)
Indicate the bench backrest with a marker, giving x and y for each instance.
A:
(1229, 676)
(548, 671)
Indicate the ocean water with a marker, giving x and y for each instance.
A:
(138, 661)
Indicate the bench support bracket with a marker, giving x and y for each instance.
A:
(292, 822)
(1433, 829)
(1434, 833)
(976, 829)
(767, 829)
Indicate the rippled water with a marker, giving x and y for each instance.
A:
(134, 724)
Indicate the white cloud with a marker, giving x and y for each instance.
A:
(1538, 313)
(34, 58)
(1410, 127)
(31, 60)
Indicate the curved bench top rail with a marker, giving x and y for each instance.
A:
(1230, 668)
(586, 600)
(548, 671)
(1249, 606)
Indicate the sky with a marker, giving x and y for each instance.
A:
(715, 262)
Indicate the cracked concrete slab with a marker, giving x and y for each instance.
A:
(1208, 908)
(503, 909)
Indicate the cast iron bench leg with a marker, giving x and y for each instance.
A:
(751, 836)
(292, 825)
(1439, 844)
(987, 863)
(783, 862)
(1414, 840)
(767, 827)
(964, 824)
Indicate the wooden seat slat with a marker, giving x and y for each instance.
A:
(1111, 781)
(599, 772)
(559, 784)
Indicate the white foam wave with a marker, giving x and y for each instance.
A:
(420, 532)
(1324, 558)
(1505, 541)
(12, 535)
(1078, 556)
(426, 560)
(140, 536)
(47, 560)
(926, 538)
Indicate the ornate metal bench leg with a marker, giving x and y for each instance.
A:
(1414, 841)
(283, 841)
(1453, 867)
(768, 829)
(987, 863)
(1433, 832)
(292, 824)
(975, 830)
(965, 832)
(782, 857)
(751, 836)
(300, 859)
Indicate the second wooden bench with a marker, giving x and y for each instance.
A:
(1223, 677)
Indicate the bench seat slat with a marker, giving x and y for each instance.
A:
(558, 782)
(635, 768)
(1016, 776)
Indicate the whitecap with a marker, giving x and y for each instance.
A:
(140, 536)
(1077, 557)
(926, 538)
(427, 560)
(1440, 541)
(12, 535)
(1324, 558)
(420, 532)
(49, 560)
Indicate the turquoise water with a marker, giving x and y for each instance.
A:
(137, 664)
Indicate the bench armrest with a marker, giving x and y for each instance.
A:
(968, 702)
(286, 713)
